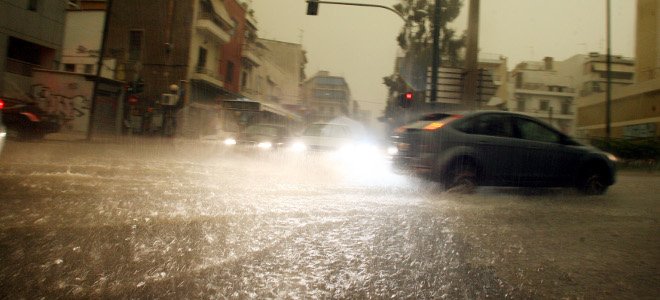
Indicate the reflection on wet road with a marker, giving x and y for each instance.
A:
(193, 221)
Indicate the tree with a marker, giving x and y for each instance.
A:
(416, 39)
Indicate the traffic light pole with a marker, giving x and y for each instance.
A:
(436, 52)
(361, 4)
(99, 68)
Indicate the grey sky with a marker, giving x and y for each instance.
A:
(359, 43)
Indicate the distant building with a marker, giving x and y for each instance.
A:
(496, 67)
(165, 42)
(589, 72)
(538, 90)
(326, 96)
(83, 33)
(635, 108)
(31, 36)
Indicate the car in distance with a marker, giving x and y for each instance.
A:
(465, 150)
(26, 121)
(261, 136)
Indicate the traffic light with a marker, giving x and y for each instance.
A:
(312, 7)
(406, 99)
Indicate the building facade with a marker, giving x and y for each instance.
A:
(588, 72)
(83, 33)
(326, 96)
(537, 89)
(635, 107)
(31, 36)
(165, 42)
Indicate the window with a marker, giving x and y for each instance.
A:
(69, 67)
(244, 79)
(201, 58)
(544, 105)
(530, 130)
(230, 72)
(89, 68)
(490, 124)
(566, 107)
(521, 105)
(32, 5)
(135, 45)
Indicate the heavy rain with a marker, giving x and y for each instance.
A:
(188, 220)
(313, 149)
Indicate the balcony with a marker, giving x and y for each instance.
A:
(207, 75)
(542, 89)
(210, 24)
(250, 55)
(19, 67)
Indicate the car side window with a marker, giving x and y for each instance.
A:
(490, 124)
(530, 130)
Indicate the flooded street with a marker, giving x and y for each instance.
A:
(185, 221)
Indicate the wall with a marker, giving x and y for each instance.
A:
(648, 40)
(65, 95)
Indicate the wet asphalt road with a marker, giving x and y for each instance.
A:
(165, 219)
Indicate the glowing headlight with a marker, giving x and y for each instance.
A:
(611, 157)
(265, 145)
(298, 147)
(3, 134)
(229, 142)
(392, 150)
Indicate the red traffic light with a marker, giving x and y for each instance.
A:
(2, 104)
(409, 96)
(132, 99)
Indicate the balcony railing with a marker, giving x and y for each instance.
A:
(20, 67)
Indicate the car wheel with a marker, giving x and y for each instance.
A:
(462, 178)
(594, 184)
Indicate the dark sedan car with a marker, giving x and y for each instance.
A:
(26, 121)
(500, 149)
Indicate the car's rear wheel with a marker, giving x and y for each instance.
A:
(462, 177)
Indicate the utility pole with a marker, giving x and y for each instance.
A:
(435, 65)
(99, 68)
(608, 92)
(471, 57)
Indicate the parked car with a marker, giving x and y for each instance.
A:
(261, 136)
(26, 121)
(466, 150)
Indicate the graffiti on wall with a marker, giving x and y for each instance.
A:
(72, 112)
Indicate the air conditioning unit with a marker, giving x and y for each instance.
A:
(169, 99)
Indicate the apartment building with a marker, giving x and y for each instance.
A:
(326, 96)
(635, 107)
(31, 36)
(538, 90)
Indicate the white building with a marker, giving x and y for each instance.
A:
(83, 32)
(540, 91)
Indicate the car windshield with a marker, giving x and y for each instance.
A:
(328, 130)
(266, 130)
(330, 149)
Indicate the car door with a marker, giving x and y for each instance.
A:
(546, 159)
(492, 136)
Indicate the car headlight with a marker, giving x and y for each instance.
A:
(265, 145)
(392, 150)
(298, 147)
(611, 157)
(229, 141)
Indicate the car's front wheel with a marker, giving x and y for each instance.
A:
(593, 183)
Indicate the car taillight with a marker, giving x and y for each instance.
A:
(433, 126)
(32, 117)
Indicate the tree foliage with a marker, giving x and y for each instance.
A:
(416, 39)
